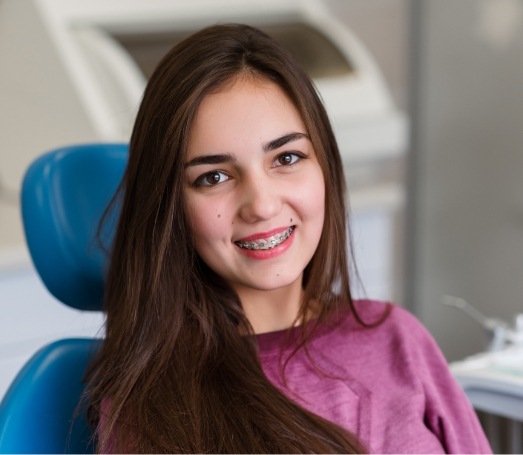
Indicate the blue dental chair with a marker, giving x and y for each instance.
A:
(64, 195)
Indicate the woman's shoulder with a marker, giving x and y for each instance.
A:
(377, 313)
(386, 321)
(389, 337)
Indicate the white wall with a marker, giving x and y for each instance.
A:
(39, 108)
(30, 318)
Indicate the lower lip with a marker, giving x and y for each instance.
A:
(271, 253)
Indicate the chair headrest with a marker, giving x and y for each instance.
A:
(64, 195)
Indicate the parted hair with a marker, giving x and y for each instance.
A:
(179, 369)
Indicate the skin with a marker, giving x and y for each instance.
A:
(251, 171)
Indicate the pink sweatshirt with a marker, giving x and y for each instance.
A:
(389, 385)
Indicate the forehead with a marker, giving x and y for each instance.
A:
(243, 114)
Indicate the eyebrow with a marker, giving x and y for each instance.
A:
(281, 141)
(228, 158)
(211, 159)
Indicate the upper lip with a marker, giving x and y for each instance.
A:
(263, 235)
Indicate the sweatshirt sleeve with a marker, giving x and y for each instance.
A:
(448, 412)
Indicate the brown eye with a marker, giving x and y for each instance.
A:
(285, 159)
(288, 159)
(211, 179)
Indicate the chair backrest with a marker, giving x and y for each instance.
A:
(40, 412)
(64, 195)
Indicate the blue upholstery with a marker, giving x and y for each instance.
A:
(64, 195)
(38, 413)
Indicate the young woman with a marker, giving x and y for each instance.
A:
(230, 323)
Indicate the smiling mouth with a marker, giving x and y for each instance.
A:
(266, 243)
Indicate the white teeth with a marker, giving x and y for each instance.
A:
(266, 244)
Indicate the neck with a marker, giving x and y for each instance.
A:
(272, 310)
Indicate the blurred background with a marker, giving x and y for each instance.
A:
(424, 96)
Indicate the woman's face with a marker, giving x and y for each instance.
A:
(255, 191)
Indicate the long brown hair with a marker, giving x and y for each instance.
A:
(177, 368)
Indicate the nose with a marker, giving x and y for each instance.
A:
(260, 199)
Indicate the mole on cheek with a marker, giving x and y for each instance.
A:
(291, 220)
(219, 216)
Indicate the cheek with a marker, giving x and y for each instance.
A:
(208, 221)
(313, 198)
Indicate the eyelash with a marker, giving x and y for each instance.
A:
(202, 181)
(297, 155)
